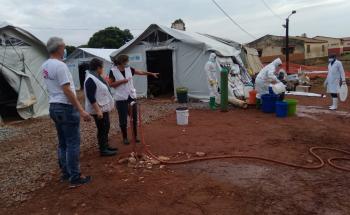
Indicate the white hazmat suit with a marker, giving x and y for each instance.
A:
(335, 77)
(266, 76)
(212, 69)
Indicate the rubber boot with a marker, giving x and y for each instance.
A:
(105, 152)
(110, 148)
(212, 103)
(335, 104)
(125, 136)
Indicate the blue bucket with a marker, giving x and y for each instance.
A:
(271, 91)
(268, 103)
(281, 109)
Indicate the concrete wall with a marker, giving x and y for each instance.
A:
(334, 45)
(317, 50)
(272, 47)
(346, 46)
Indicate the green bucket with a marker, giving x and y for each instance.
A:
(181, 94)
(292, 106)
(258, 104)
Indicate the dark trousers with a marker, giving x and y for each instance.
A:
(123, 108)
(67, 122)
(103, 125)
(334, 95)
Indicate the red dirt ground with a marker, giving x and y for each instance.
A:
(214, 187)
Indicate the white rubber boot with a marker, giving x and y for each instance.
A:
(335, 104)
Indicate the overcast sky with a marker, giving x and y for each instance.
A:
(77, 20)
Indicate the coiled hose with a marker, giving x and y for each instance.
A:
(312, 151)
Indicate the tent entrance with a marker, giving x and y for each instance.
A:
(161, 62)
(8, 100)
(82, 69)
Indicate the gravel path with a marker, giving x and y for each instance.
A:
(28, 149)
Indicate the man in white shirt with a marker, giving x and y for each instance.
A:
(65, 111)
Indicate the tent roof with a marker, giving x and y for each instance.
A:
(196, 39)
(5, 26)
(225, 40)
(101, 53)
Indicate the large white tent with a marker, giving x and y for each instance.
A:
(179, 57)
(79, 60)
(249, 56)
(22, 86)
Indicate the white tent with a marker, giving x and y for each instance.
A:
(78, 62)
(250, 56)
(179, 56)
(22, 86)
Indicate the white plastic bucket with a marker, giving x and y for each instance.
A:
(182, 115)
(279, 88)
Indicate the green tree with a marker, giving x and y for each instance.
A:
(111, 37)
(70, 49)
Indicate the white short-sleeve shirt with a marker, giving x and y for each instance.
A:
(56, 74)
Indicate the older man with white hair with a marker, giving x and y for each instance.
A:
(65, 111)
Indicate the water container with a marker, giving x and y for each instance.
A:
(181, 94)
(268, 103)
(278, 88)
(281, 109)
(292, 106)
(252, 97)
(182, 115)
(258, 104)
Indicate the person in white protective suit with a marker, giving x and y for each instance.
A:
(267, 76)
(335, 77)
(212, 69)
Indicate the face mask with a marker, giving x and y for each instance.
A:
(127, 65)
(330, 60)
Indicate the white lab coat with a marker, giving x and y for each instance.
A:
(212, 69)
(265, 77)
(335, 76)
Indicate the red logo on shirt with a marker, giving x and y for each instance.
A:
(45, 74)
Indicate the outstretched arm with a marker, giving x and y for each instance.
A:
(138, 72)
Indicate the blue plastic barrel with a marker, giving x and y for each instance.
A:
(268, 103)
(281, 109)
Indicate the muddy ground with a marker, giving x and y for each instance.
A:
(230, 186)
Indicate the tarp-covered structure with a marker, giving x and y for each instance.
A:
(249, 56)
(184, 53)
(78, 62)
(21, 82)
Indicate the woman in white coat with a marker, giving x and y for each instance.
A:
(267, 76)
(335, 78)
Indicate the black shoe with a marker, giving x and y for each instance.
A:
(80, 181)
(137, 140)
(112, 148)
(108, 153)
(64, 178)
(126, 142)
